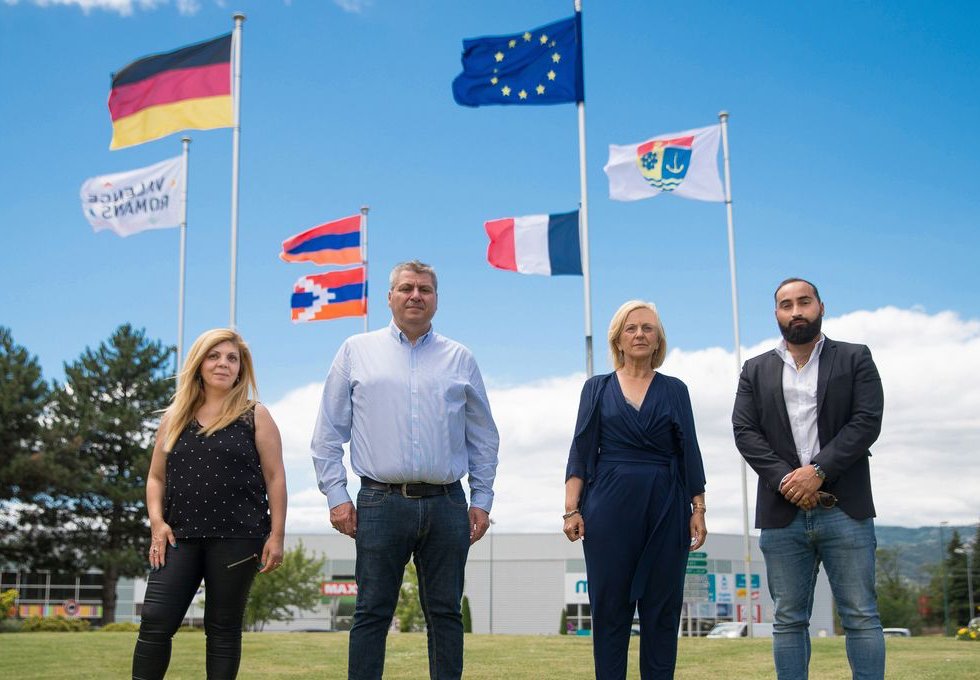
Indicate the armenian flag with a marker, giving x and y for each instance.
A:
(337, 242)
(536, 244)
(186, 89)
(329, 296)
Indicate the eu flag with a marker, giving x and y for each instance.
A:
(540, 66)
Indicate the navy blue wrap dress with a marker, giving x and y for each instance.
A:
(642, 465)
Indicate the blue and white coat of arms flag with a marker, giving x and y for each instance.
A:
(680, 163)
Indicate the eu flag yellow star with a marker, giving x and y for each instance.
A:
(526, 68)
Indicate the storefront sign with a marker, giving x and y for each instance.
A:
(576, 588)
(338, 589)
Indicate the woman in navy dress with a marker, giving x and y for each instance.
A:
(635, 479)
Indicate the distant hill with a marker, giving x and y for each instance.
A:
(918, 547)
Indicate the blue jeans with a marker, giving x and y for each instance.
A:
(793, 555)
(390, 530)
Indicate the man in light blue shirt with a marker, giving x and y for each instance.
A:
(413, 406)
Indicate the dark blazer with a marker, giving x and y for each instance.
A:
(849, 408)
(584, 452)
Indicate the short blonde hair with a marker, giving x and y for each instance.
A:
(616, 329)
(189, 396)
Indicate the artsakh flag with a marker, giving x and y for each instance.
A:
(329, 296)
(187, 89)
(337, 242)
(536, 244)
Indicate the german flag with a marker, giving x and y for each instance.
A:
(186, 89)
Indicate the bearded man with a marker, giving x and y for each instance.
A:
(805, 417)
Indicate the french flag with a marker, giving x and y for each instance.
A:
(536, 244)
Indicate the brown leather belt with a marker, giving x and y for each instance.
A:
(410, 489)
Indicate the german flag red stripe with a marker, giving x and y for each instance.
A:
(169, 87)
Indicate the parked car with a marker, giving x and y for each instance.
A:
(896, 632)
(737, 629)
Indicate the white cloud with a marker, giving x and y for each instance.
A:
(353, 6)
(188, 7)
(122, 7)
(924, 469)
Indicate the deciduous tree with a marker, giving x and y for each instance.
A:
(290, 589)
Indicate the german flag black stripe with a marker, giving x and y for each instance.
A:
(215, 51)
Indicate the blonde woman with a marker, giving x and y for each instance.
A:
(216, 498)
(635, 483)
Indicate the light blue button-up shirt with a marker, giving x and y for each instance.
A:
(411, 414)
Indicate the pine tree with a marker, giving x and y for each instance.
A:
(23, 397)
(467, 616)
(102, 419)
(959, 602)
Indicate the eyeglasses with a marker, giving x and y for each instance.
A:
(827, 500)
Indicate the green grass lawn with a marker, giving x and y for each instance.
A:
(269, 656)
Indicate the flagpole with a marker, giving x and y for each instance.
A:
(186, 141)
(723, 117)
(364, 259)
(235, 142)
(584, 226)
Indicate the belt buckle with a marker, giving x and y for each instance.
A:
(405, 491)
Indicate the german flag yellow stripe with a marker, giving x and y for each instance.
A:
(205, 113)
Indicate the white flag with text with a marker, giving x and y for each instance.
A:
(681, 163)
(134, 201)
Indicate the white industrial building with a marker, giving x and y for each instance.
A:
(520, 583)
(515, 584)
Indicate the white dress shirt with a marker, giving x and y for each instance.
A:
(800, 395)
(412, 413)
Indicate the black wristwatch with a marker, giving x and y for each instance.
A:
(819, 470)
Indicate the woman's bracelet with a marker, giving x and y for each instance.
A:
(571, 514)
(699, 506)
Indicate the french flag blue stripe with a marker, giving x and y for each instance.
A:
(564, 251)
(328, 242)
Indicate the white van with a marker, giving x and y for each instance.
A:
(737, 629)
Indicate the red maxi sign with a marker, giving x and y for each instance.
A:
(338, 588)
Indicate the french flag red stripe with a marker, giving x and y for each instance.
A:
(501, 253)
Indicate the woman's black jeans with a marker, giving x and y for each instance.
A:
(227, 566)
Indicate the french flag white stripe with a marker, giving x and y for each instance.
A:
(531, 244)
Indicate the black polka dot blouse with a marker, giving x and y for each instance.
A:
(215, 487)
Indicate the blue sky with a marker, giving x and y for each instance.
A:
(854, 162)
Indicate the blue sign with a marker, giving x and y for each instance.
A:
(740, 581)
